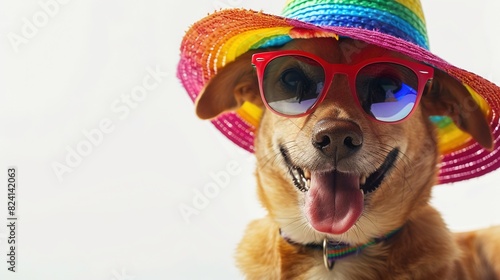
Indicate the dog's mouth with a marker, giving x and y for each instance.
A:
(334, 200)
(302, 178)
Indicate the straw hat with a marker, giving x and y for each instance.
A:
(397, 25)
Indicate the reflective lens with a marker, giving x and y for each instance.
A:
(292, 84)
(387, 91)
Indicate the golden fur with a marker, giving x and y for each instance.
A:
(423, 249)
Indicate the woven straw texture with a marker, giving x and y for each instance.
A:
(398, 25)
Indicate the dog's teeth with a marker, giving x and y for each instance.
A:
(307, 174)
(362, 180)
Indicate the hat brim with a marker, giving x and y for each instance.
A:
(222, 36)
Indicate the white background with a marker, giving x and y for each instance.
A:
(116, 215)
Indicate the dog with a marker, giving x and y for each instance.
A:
(338, 179)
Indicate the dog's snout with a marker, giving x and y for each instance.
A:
(337, 138)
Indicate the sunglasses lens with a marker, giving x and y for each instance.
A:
(292, 84)
(387, 91)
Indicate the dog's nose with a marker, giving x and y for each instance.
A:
(337, 138)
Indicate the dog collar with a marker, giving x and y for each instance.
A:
(334, 250)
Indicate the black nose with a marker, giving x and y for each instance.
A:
(337, 138)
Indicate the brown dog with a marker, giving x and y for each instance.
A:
(339, 177)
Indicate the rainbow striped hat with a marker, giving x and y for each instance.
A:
(397, 25)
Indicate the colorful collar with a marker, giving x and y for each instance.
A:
(334, 250)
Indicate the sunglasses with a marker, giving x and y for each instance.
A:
(293, 83)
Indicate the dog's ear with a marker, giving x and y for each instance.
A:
(234, 84)
(448, 97)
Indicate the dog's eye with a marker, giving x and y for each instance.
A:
(297, 85)
(389, 84)
(387, 91)
(293, 79)
(291, 85)
(383, 88)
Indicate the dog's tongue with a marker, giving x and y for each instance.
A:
(334, 201)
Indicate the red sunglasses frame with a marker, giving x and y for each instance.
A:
(260, 61)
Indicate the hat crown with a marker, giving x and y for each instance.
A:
(396, 25)
(400, 18)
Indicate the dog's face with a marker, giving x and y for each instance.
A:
(337, 172)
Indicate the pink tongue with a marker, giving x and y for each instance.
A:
(334, 202)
